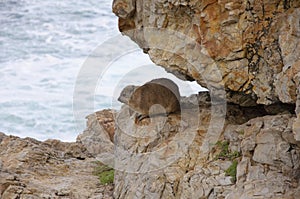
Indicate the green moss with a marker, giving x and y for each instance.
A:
(224, 149)
(231, 171)
(107, 177)
(105, 173)
(233, 155)
(225, 153)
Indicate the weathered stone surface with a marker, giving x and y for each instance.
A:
(243, 47)
(249, 50)
(99, 134)
(267, 168)
(30, 169)
(163, 157)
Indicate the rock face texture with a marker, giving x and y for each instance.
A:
(247, 48)
(256, 155)
(244, 52)
(241, 140)
(30, 169)
(98, 137)
(248, 147)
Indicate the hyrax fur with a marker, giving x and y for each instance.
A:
(162, 91)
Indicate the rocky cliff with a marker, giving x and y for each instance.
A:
(30, 169)
(249, 49)
(239, 140)
(254, 155)
(244, 143)
(254, 45)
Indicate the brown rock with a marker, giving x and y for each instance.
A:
(151, 161)
(98, 137)
(248, 44)
(31, 169)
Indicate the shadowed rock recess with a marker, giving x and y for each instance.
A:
(245, 53)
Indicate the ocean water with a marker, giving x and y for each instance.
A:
(51, 73)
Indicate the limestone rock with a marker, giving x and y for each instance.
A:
(30, 169)
(242, 47)
(165, 159)
(98, 137)
(246, 51)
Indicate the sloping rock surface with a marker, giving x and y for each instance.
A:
(30, 169)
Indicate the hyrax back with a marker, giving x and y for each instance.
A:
(163, 92)
(168, 84)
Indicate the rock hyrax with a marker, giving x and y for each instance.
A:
(162, 91)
